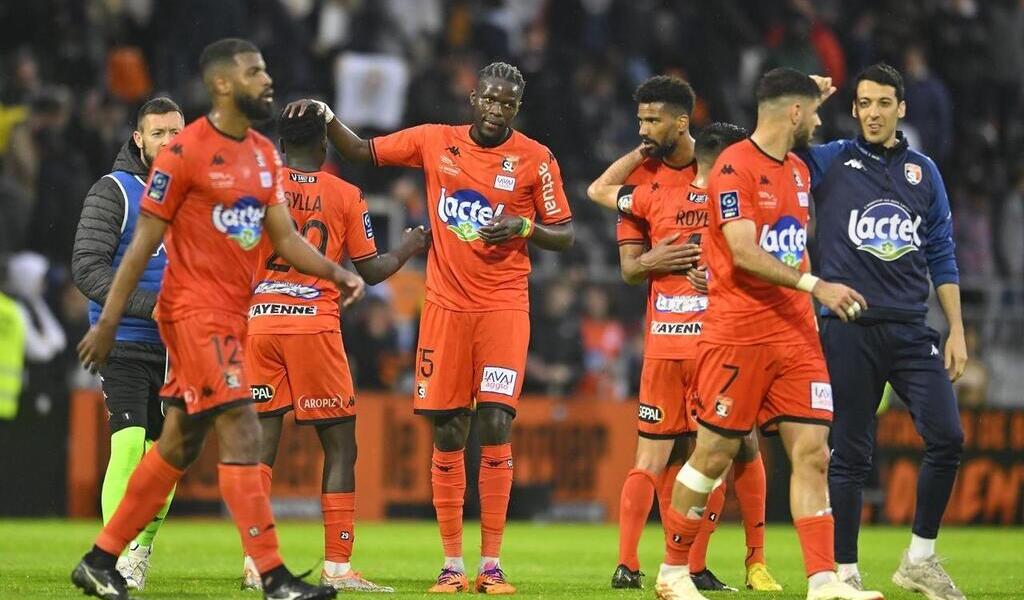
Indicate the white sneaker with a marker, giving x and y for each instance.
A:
(838, 590)
(134, 565)
(928, 578)
(251, 581)
(352, 582)
(678, 588)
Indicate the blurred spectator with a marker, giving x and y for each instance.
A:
(12, 348)
(44, 336)
(554, 363)
(372, 344)
(929, 106)
(603, 339)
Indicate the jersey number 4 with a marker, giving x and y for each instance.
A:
(283, 267)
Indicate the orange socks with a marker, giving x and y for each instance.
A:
(241, 487)
(147, 491)
(495, 484)
(699, 549)
(266, 477)
(448, 480)
(634, 507)
(816, 538)
(339, 525)
(749, 480)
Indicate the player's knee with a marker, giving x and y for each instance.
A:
(811, 458)
(946, 445)
(495, 426)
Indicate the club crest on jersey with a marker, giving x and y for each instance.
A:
(465, 212)
(508, 163)
(912, 172)
(158, 186)
(885, 229)
(729, 204)
(786, 240)
(799, 181)
(242, 221)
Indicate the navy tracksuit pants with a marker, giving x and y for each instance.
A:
(861, 358)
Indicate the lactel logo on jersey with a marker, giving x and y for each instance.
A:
(242, 221)
(466, 211)
(680, 304)
(885, 229)
(786, 240)
(498, 380)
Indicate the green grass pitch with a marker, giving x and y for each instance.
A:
(201, 558)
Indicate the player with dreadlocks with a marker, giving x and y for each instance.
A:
(295, 357)
(490, 191)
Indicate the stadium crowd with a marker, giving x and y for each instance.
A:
(68, 92)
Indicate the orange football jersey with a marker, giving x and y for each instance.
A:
(630, 229)
(333, 216)
(213, 190)
(744, 309)
(467, 187)
(674, 308)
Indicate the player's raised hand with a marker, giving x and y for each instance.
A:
(824, 86)
(667, 257)
(95, 347)
(351, 287)
(956, 354)
(508, 227)
(417, 239)
(299, 107)
(698, 277)
(844, 301)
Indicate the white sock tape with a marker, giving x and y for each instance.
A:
(695, 480)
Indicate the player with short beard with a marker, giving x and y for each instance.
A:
(132, 377)
(759, 360)
(211, 192)
(664, 106)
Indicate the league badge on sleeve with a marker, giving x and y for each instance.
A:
(912, 173)
(729, 204)
(158, 186)
(367, 226)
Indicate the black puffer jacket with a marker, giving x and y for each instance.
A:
(96, 241)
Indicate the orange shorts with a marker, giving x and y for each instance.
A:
(668, 394)
(305, 372)
(205, 352)
(743, 386)
(465, 360)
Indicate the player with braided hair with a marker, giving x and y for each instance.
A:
(490, 192)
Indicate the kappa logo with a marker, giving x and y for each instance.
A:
(454, 150)
(655, 186)
(935, 350)
(727, 169)
(854, 163)
(217, 160)
(765, 181)
(177, 149)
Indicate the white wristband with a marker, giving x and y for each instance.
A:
(325, 110)
(806, 283)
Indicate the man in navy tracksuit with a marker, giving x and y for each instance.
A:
(883, 227)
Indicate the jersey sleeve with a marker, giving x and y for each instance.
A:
(400, 149)
(820, 157)
(549, 195)
(630, 230)
(940, 249)
(278, 196)
(168, 184)
(731, 194)
(360, 243)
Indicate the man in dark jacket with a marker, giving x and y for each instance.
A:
(135, 372)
